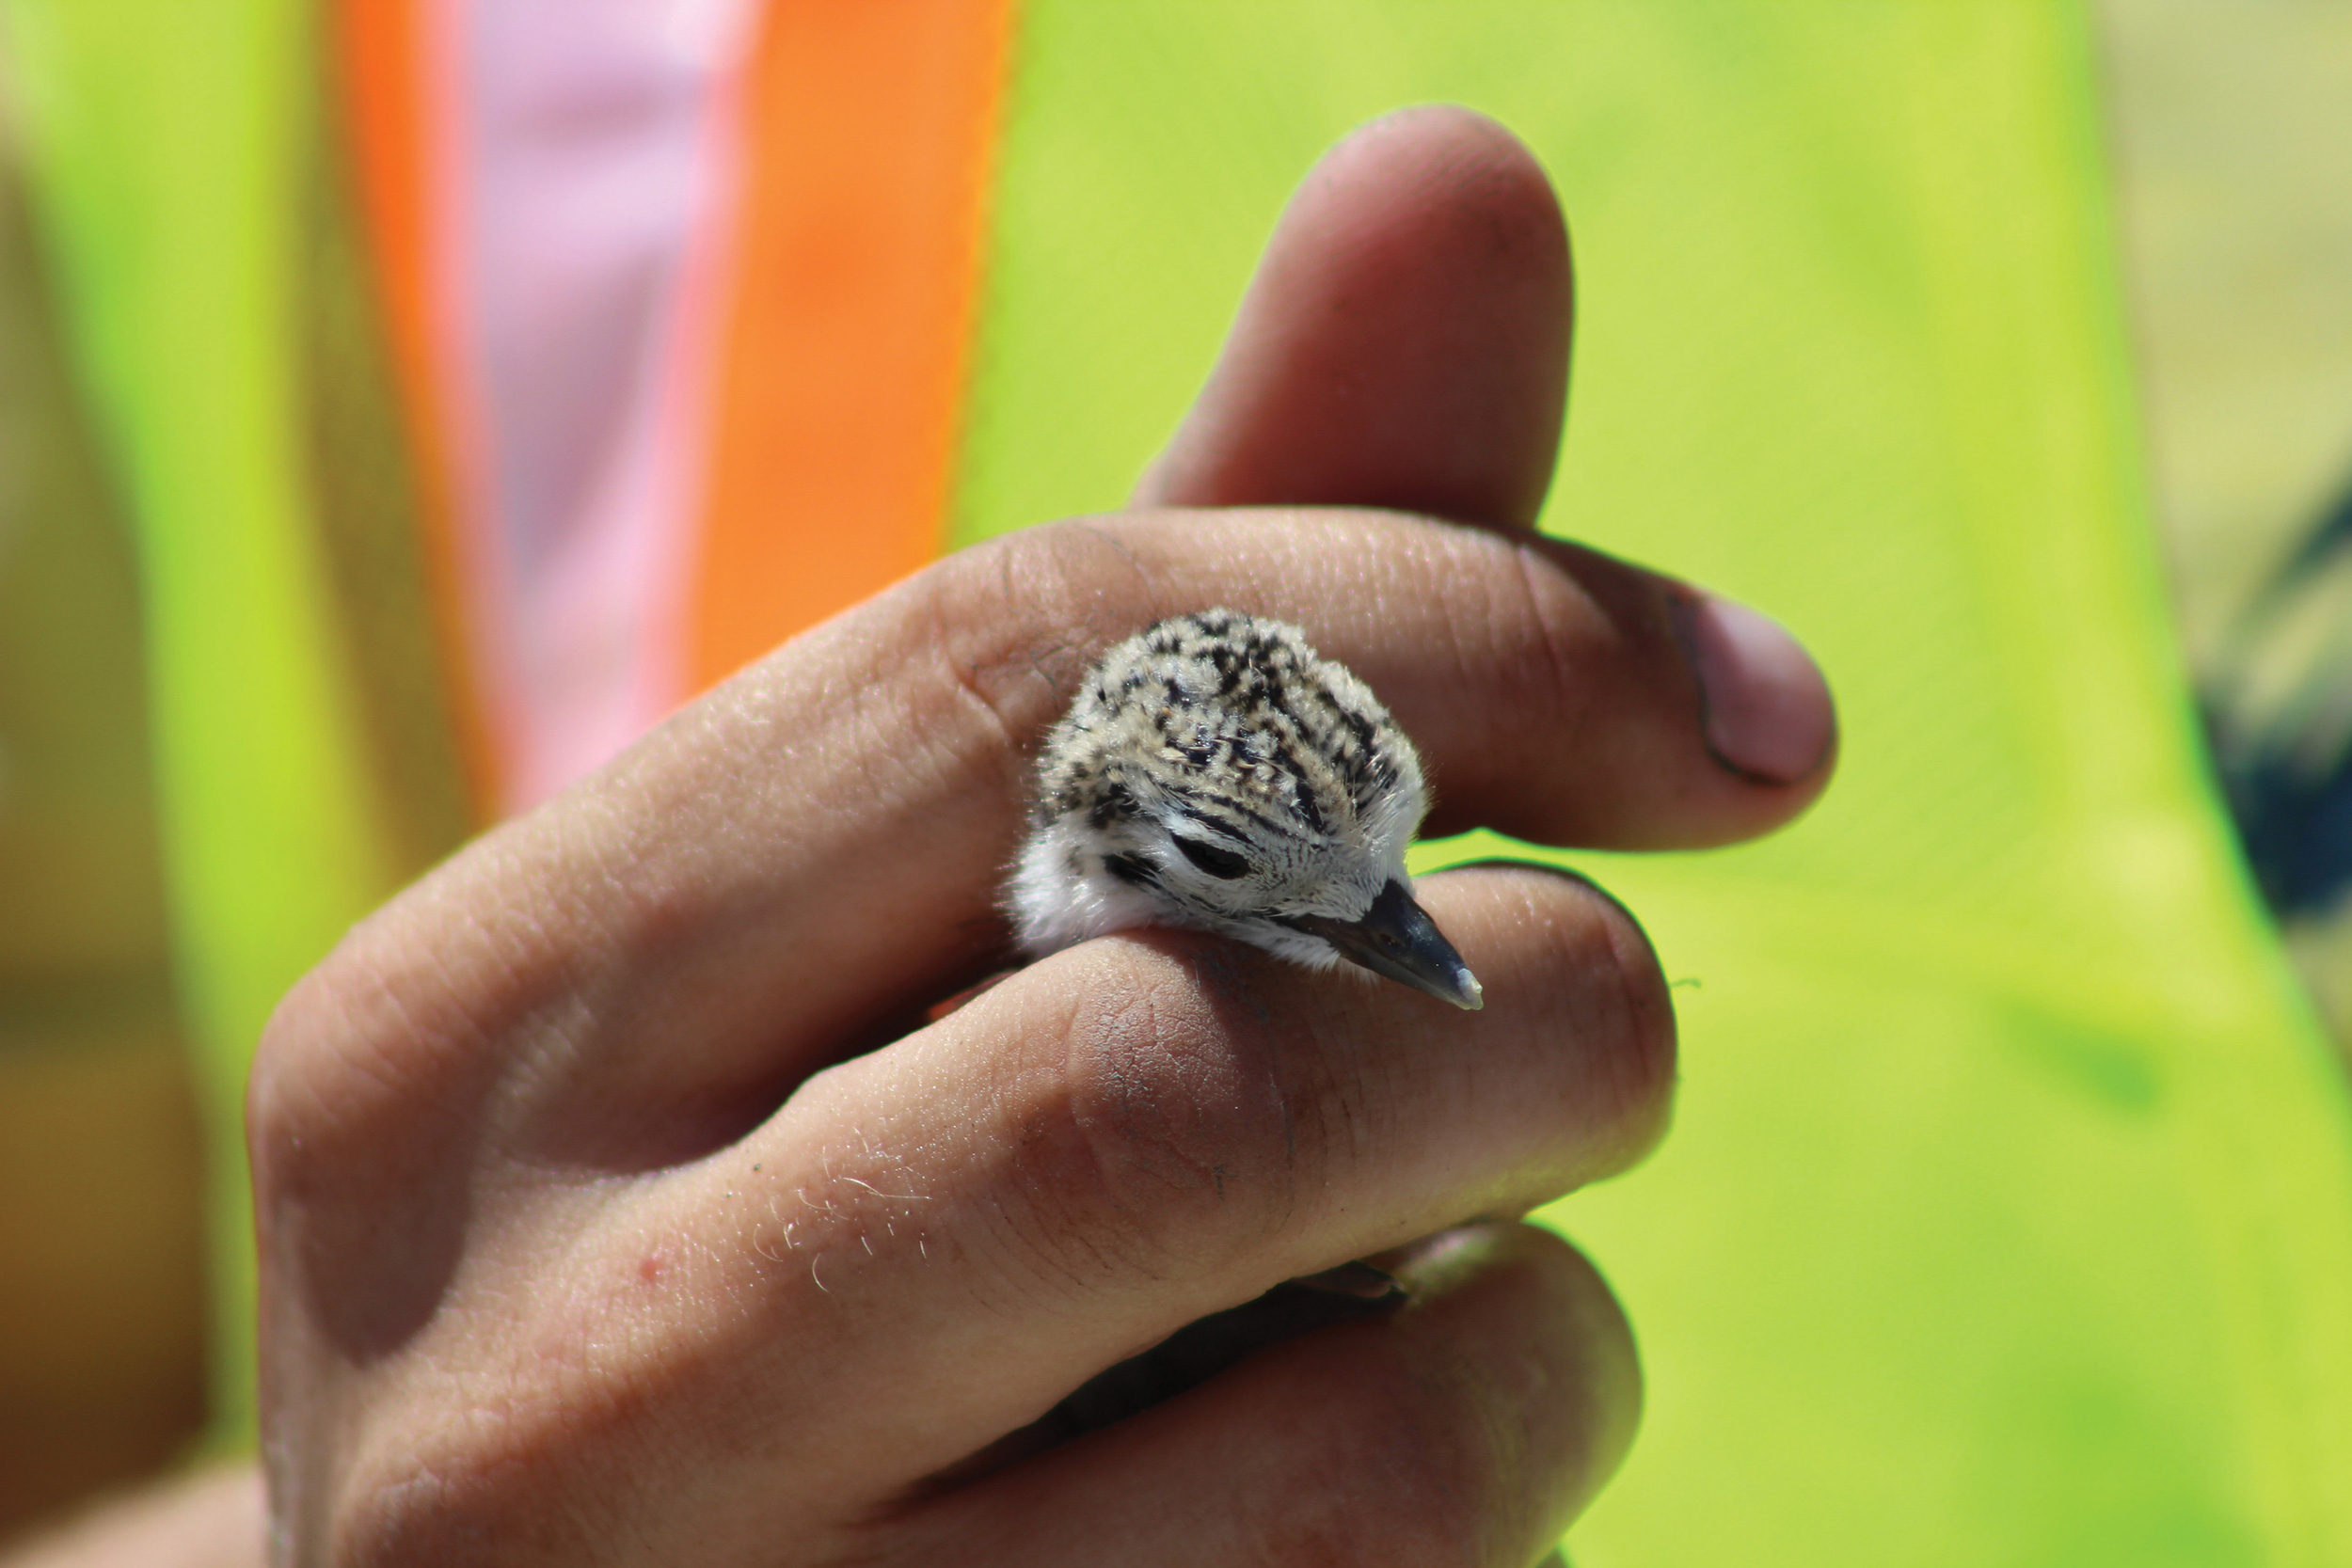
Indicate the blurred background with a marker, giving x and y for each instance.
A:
(2231, 131)
(2228, 135)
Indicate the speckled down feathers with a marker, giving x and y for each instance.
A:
(1214, 771)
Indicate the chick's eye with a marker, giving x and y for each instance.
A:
(1216, 862)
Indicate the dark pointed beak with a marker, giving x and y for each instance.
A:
(1396, 938)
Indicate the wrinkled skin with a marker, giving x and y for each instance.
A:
(617, 1205)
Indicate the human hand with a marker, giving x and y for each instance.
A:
(614, 1208)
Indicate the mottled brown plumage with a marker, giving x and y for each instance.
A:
(1214, 771)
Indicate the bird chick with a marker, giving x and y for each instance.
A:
(1216, 772)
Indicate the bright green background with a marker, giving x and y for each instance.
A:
(165, 144)
(2009, 1214)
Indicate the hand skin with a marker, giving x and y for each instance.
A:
(616, 1206)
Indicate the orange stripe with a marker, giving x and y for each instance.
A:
(869, 127)
(393, 85)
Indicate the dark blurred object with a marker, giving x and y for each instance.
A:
(2279, 711)
(2232, 135)
(1350, 1294)
(1353, 1292)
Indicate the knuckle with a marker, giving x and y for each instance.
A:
(1164, 1139)
(344, 1064)
(1020, 619)
(307, 1092)
(359, 1123)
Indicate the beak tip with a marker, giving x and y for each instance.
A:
(1397, 939)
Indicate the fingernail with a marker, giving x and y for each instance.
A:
(1767, 711)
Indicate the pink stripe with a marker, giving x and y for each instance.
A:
(590, 178)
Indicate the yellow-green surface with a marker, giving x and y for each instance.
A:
(163, 143)
(101, 1227)
(2009, 1216)
(2233, 135)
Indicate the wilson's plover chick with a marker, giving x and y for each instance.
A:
(1216, 772)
